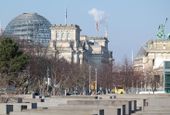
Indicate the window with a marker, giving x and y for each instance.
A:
(167, 64)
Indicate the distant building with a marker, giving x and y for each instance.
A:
(150, 58)
(29, 26)
(63, 41)
(166, 75)
(66, 42)
(96, 50)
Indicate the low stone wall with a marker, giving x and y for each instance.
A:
(6, 108)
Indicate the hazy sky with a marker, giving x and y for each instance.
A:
(130, 22)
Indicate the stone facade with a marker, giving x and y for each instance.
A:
(97, 52)
(150, 58)
(66, 42)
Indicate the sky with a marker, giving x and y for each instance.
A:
(130, 23)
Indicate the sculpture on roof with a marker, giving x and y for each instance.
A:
(161, 30)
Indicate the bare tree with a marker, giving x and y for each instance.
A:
(105, 77)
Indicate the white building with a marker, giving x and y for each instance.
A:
(66, 42)
(150, 58)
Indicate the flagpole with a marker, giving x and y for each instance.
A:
(89, 79)
(132, 57)
(66, 17)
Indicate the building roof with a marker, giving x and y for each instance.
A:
(141, 53)
(29, 26)
(66, 26)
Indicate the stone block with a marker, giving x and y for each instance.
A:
(5, 108)
(23, 106)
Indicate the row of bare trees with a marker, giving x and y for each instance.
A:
(54, 76)
(50, 75)
(120, 75)
(73, 77)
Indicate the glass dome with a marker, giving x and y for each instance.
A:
(30, 26)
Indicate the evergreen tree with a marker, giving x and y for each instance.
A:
(12, 60)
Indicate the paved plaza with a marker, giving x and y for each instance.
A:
(88, 105)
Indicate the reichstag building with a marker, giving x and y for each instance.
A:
(29, 26)
(62, 38)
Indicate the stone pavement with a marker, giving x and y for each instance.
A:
(156, 105)
(124, 104)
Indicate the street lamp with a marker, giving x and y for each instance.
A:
(89, 78)
(96, 79)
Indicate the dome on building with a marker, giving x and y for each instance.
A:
(29, 26)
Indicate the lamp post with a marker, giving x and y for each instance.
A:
(89, 78)
(48, 80)
(96, 79)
